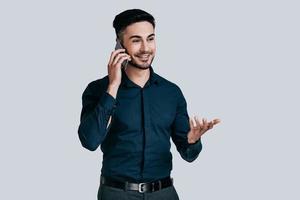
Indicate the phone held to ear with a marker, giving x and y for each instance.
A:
(119, 46)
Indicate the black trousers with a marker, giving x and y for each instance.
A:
(110, 193)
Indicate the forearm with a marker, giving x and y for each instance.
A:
(112, 89)
(93, 126)
(190, 152)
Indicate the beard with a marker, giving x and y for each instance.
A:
(144, 66)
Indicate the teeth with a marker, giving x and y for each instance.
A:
(144, 56)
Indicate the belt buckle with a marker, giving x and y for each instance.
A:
(141, 187)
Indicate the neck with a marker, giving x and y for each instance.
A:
(138, 76)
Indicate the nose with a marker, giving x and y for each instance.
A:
(144, 46)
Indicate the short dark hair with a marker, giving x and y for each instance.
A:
(131, 16)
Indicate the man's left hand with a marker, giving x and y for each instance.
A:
(198, 127)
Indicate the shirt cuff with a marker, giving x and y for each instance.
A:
(197, 144)
(108, 102)
(194, 149)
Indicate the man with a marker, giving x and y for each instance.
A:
(133, 112)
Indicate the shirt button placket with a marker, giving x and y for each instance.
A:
(146, 125)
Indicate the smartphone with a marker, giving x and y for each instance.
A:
(119, 46)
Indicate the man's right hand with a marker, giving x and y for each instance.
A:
(114, 66)
(114, 70)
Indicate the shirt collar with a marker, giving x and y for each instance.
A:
(154, 79)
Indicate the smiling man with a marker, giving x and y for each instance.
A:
(134, 113)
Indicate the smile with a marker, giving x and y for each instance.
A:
(144, 56)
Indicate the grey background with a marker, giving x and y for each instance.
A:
(236, 60)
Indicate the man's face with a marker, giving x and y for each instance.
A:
(139, 41)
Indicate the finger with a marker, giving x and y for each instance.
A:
(205, 124)
(198, 122)
(193, 122)
(216, 121)
(113, 54)
(121, 60)
(118, 57)
(210, 125)
(201, 125)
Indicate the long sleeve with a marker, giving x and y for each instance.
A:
(180, 129)
(94, 117)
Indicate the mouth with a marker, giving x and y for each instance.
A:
(144, 57)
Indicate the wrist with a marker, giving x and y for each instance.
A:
(113, 84)
(193, 140)
(112, 89)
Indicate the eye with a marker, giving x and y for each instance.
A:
(152, 38)
(135, 41)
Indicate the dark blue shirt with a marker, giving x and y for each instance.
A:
(136, 144)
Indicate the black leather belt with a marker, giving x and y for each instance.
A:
(140, 187)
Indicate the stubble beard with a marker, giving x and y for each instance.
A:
(142, 67)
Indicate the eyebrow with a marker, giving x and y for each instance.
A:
(137, 36)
